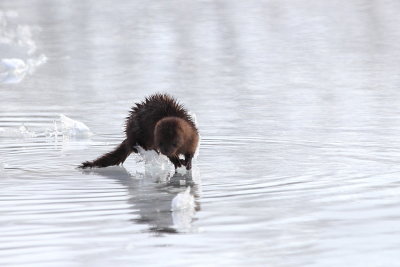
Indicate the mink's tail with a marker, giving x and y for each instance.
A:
(115, 157)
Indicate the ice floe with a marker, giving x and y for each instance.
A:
(62, 127)
(18, 50)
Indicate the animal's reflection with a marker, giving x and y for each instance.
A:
(151, 196)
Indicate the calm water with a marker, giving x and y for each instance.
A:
(297, 103)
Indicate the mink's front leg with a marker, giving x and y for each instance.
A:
(176, 161)
(188, 161)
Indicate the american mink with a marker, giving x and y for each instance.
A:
(159, 123)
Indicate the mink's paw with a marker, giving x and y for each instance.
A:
(188, 165)
(176, 161)
(177, 164)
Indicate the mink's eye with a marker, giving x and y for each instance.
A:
(174, 144)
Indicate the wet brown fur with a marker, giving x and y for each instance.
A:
(159, 123)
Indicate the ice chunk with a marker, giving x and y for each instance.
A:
(155, 165)
(69, 128)
(18, 55)
(151, 156)
(74, 128)
(12, 70)
(20, 132)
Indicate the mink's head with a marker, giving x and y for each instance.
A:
(168, 136)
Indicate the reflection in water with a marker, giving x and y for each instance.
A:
(150, 197)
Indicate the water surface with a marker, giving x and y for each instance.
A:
(297, 105)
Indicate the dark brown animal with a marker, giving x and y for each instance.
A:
(159, 123)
